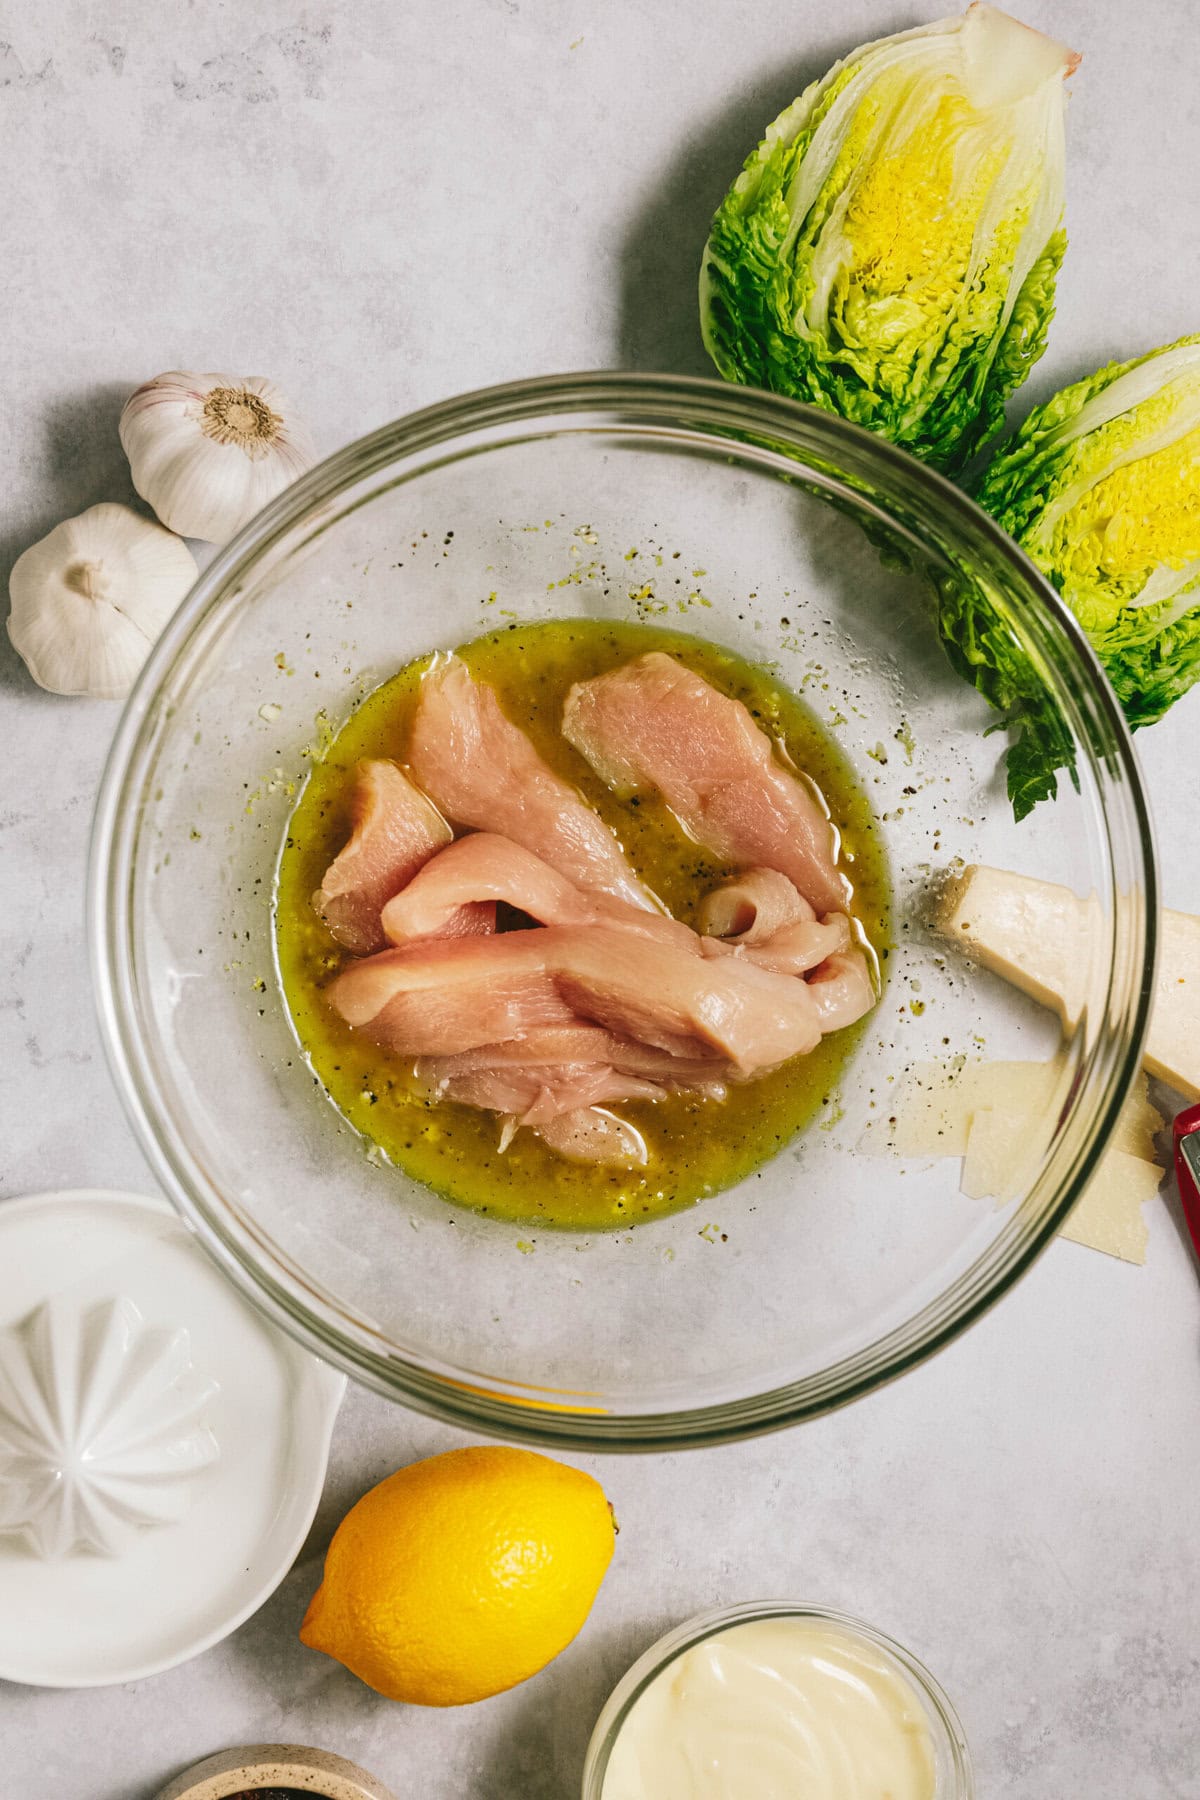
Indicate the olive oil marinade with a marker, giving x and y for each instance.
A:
(696, 1146)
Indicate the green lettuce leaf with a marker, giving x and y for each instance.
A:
(985, 650)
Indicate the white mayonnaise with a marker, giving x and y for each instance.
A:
(776, 1709)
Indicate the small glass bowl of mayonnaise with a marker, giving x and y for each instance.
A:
(774, 1699)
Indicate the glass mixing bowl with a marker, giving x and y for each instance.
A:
(737, 516)
(953, 1777)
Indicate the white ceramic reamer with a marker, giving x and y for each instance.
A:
(101, 1426)
(162, 1448)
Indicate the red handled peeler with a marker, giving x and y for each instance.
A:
(1187, 1168)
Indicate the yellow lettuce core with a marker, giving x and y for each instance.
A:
(1148, 512)
(913, 215)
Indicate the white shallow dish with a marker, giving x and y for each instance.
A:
(260, 1416)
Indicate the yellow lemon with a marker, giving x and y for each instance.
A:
(460, 1576)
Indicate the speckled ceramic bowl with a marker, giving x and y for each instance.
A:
(285, 1766)
(737, 516)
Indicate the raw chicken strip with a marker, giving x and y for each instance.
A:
(395, 831)
(485, 868)
(476, 920)
(654, 723)
(444, 995)
(794, 949)
(526, 1081)
(761, 916)
(552, 1046)
(532, 1096)
(595, 1136)
(439, 996)
(483, 771)
(842, 990)
(753, 907)
(562, 1068)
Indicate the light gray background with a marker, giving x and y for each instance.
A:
(380, 204)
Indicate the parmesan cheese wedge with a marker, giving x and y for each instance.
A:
(1043, 939)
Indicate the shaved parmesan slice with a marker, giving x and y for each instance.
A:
(1109, 1215)
(999, 1118)
(1000, 1163)
(938, 1100)
(1139, 1123)
(933, 1115)
(1002, 1155)
(1049, 943)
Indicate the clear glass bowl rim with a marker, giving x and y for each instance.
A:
(711, 412)
(697, 1630)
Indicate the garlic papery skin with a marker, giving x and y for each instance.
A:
(207, 451)
(89, 600)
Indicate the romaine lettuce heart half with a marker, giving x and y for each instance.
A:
(889, 251)
(1101, 488)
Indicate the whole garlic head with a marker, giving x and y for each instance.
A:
(207, 451)
(89, 600)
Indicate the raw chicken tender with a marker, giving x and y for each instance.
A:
(653, 723)
(597, 1136)
(752, 907)
(842, 989)
(437, 997)
(483, 771)
(396, 830)
(549, 1046)
(761, 917)
(484, 868)
(561, 1068)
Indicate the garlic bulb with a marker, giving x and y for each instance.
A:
(89, 600)
(207, 451)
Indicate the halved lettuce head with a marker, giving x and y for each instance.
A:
(1101, 488)
(889, 251)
